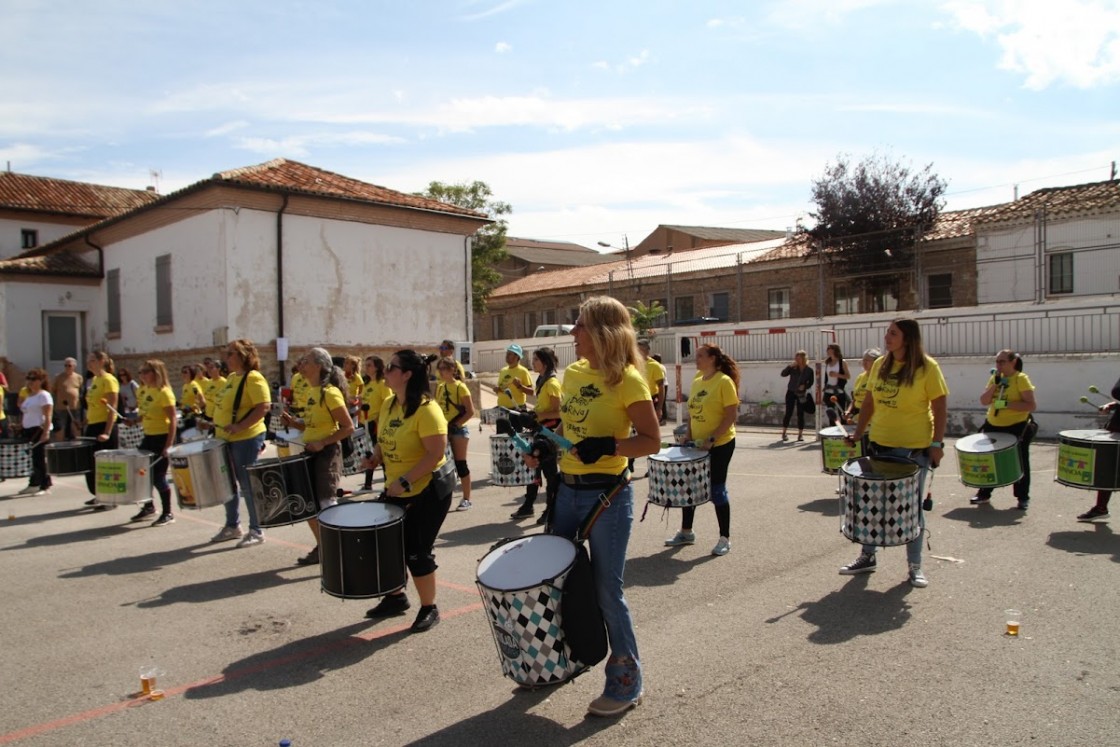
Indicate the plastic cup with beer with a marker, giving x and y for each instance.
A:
(1014, 618)
(149, 674)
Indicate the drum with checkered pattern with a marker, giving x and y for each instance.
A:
(522, 583)
(130, 436)
(15, 458)
(880, 501)
(680, 476)
(362, 447)
(507, 468)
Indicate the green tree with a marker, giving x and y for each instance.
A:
(489, 241)
(871, 214)
(643, 317)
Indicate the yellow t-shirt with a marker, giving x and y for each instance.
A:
(24, 393)
(299, 391)
(1013, 392)
(100, 386)
(211, 388)
(191, 392)
(256, 392)
(400, 439)
(354, 388)
(655, 372)
(707, 401)
(318, 416)
(902, 416)
(859, 389)
(449, 395)
(591, 408)
(374, 394)
(153, 404)
(549, 390)
(506, 377)
(3, 415)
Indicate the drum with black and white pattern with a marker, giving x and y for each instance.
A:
(507, 468)
(680, 476)
(15, 458)
(130, 436)
(880, 501)
(362, 448)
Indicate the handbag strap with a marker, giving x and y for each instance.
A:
(237, 398)
(601, 505)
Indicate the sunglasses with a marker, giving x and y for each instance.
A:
(394, 367)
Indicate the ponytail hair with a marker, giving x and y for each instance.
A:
(724, 363)
(1013, 356)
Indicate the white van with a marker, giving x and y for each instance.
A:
(553, 330)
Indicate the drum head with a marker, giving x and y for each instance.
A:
(982, 443)
(1089, 435)
(679, 454)
(195, 447)
(292, 435)
(526, 562)
(365, 515)
(837, 431)
(880, 468)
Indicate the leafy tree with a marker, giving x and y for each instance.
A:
(870, 215)
(489, 241)
(645, 317)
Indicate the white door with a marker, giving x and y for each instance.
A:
(62, 335)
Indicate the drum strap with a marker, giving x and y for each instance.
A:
(602, 505)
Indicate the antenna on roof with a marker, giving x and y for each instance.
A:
(155, 175)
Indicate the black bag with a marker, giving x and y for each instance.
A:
(347, 446)
(585, 633)
(807, 404)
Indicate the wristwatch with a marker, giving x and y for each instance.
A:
(937, 445)
(405, 484)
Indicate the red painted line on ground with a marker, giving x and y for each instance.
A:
(102, 711)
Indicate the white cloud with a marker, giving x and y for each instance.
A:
(22, 156)
(493, 10)
(503, 47)
(301, 145)
(805, 14)
(1075, 41)
(226, 128)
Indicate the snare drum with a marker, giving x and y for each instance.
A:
(834, 450)
(1089, 459)
(193, 434)
(361, 550)
(130, 436)
(70, 457)
(15, 458)
(282, 491)
(507, 468)
(362, 448)
(680, 476)
(203, 473)
(289, 442)
(123, 476)
(880, 501)
(989, 460)
(525, 584)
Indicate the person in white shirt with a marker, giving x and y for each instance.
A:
(37, 409)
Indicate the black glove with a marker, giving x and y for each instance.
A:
(543, 448)
(594, 448)
(522, 421)
(504, 427)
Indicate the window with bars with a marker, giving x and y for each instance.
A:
(779, 303)
(939, 290)
(1061, 272)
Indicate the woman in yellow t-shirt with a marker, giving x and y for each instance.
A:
(156, 404)
(193, 400)
(374, 393)
(354, 384)
(713, 407)
(239, 421)
(547, 413)
(102, 394)
(906, 409)
(411, 439)
(1010, 400)
(212, 385)
(859, 388)
(454, 400)
(325, 424)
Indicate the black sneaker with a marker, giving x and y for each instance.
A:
(389, 606)
(978, 500)
(311, 558)
(525, 512)
(863, 564)
(102, 507)
(1023, 505)
(542, 520)
(145, 511)
(164, 520)
(1096, 513)
(426, 619)
(90, 502)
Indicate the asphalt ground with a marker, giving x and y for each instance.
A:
(767, 645)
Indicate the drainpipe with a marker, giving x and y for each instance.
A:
(468, 243)
(280, 267)
(100, 256)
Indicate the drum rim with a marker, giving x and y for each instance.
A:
(886, 458)
(201, 446)
(524, 538)
(994, 436)
(701, 455)
(1099, 436)
(397, 511)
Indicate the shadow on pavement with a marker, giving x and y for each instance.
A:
(515, 725)
(826, 506)
(296, 663)
(484, 535)
(225, 588)
(985, 516)
(79, 535)
(662, 568)
(853, 611)
(152, 561)
(1095, 539)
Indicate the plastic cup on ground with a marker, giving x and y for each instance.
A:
(1014, 619)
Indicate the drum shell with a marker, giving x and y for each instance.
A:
(1088, 459)
(834, 451)
(490, 415)
(884, 511)
(526, 616)
(203, 473)
(15, 458)
(989, 460)
(680, 477)
(122, 476)
(73, 457)
(507, 468)
(282, 491)
(362, 447)
(130, 436)
(361, 550)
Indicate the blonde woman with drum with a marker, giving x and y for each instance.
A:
(1010, 400)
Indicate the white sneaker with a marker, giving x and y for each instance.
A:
(227, 533)
(464, 505)
(917, 578)
(250, 539)
(29, 490)
(681, 538)
(722, 547)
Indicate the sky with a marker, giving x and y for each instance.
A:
(596, 121)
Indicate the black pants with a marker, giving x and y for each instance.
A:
(155, 445)
(720, 461)
(423, 517)
(792, 401)
(39, 476)
(1025, 433)
(93, 430)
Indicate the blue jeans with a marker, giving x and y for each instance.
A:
(608, 541)
(913, 547)
(244, 454)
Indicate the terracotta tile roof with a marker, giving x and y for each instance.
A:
(40, 194)
(281, 173)
(1080, 199)
(735, 235)
(554, 252)
(63, 264)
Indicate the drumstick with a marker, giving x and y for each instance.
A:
(1094, 390)
(115, 410)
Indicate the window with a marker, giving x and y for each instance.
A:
(779, 303)
(940, 290)
(163, 291)
(573, 314)
(530, 323)
(682, 308)
(28, 238)
(113, 288)
(721, 306)
(496, 332)
(1061, 272)
(882, 294)
(548, 317)
(846, 299)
